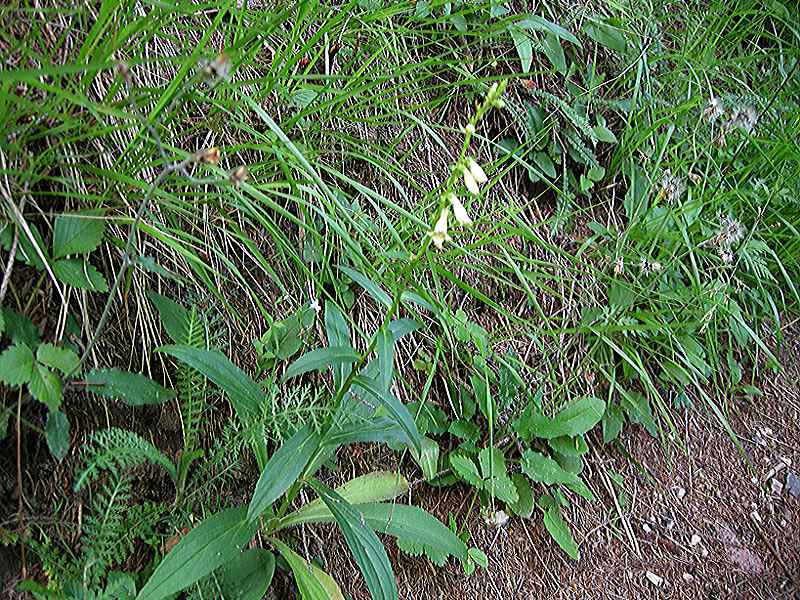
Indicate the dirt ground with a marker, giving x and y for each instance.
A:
(695, 524)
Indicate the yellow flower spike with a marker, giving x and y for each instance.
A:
(439, 234)
(459, 212)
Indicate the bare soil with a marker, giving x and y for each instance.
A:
(705, 520)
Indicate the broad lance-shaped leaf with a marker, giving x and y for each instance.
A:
(372, 487)
(394, 408)
(384, 346)
(174, 317)
(338, 334)
(208, 546)
(367, 549)
(246, 576)
(545, 470)
(57, 434)
(313, 582)
(131, 388)
(373, 289)
(321, 358)
(283, 469)
(560, 532)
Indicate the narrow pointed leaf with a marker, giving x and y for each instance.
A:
(313, 582)
(321, 358)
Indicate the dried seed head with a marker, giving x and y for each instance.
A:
(239, 175)
(209, 155)
(745, 118)
(672, 187)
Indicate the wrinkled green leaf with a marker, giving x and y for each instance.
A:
(16, 365)
(174, 317)
(45, 386)
(62, 359)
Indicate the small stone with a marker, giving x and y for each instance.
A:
(793, 484)
(646, 528)
(654, 579)
(688, 577)
(704, 552)
(777, 487)
(680, 493)
(696, 539)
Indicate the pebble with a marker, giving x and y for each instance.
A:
(793, 484)
(777, 487)
(654, 579)
(680, 493)
(688, 577)
(696, 539)
(646, 528)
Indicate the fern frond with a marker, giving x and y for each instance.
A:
(115, 450)
(191, 385)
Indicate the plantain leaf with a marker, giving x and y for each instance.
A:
(367, 549)
(372, 487)
(397, 411)
(313, 582)
(247, 576)
(338, 333)
(132, 388)
(282, 470)
(384, 345)
(320, 358)
(205, 548)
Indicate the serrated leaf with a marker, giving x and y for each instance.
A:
(80, 274)
(414, 548)
(132, 388)
(524, 504)
(205, 548)
(45, 386)
(321, 358)
(62, 359)
(20, 329)
(16, 365)
(465, 468)
(559, 531)
(427, 458)
(372, 487)
(367, 549)
(78, 233)
(283, 469)
(312, 582)
(57, 434)
(576, 419)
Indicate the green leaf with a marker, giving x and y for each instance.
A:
(551, 46)
(465, 468)
(523, 45)
(20, 329)
(208, 546)
(320, 358)
(569, 446)
(369, 286)
(133, 389)
(524, 504)
(540, 24)
(606, 35)
(78, 233)
(495, 475)
(45, 386)
(613, 419)
(244, 394)
(545, 163)
(384, 346)
(367, 549)
(559, 531)
(422, 9)
(313, 582)
(372, 487)
(398, 411)
(427, 458)
(62, 359)
(578, 418)
(283, 469)
(338, 334)
(16, 365)
(57, 434)
(412, 523)
(174, 317)
(247, 576)
(80, 274)
(604, 134)
(544, 469)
